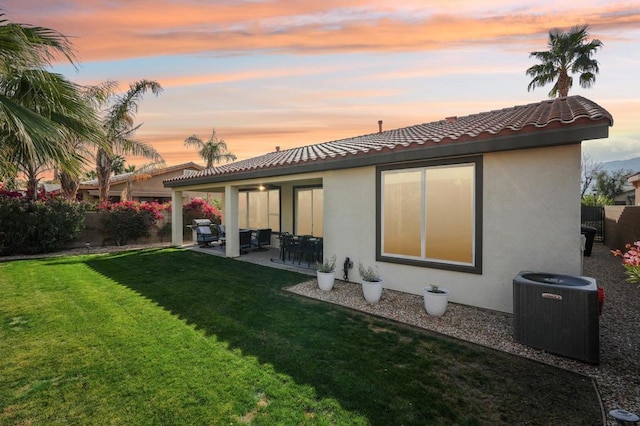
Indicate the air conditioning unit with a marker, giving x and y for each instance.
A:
(558, 314)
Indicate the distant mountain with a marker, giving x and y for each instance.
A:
(632, 164)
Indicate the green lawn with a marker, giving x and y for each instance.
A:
(175, 337)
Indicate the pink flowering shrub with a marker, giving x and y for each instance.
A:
(5, 193)
(130, 220)
(200, 209)
(631, 261)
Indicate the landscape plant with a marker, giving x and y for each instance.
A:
(328, 265)
(370, 273)
(129, 220)
(434, 288)
(198, 208)
(41, 226)
(631, 261)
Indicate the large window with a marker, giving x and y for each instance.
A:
(308, 208)
(259, 209)
(430, 214)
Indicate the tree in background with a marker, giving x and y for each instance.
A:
(117, 164)
(96, 98)
(611, 184)
(590, 169)
(569, 52)
(120, 128)
(212, 151)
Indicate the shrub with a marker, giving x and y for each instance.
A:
(31, 227)
(631, 261)
(129, 220)
(200, 209)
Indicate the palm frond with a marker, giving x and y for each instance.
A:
(24, 45)
(193, 140)
(126, 106)
(139, 148)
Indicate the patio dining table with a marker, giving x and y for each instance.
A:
(301, 246)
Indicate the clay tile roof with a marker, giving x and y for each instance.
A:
(558, 112)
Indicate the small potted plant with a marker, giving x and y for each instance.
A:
(435, 300)
(371, 283)
(326, 273)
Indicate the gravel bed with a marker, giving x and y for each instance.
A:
(618, 374)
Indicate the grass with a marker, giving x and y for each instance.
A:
(176, 337)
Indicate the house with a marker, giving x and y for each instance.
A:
(634, 197)
(464, 202)
(149, 188)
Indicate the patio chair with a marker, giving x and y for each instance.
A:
(245, 240)
(306, 249)
(204, 236)
(222, 234)
(263, 238)
(287, 246)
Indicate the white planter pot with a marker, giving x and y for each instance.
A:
(372, 291)
(326, 280)
(436, 303)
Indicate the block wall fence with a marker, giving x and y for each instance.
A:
(95, 235)
(621, 225)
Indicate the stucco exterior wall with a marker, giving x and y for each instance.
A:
(531, 221)
(152, 187)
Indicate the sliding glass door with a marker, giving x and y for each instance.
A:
(308, 211)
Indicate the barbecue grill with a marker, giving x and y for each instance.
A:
(204, 236)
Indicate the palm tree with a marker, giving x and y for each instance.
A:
(119, 127)
(38, 108)
(96, 98)
(27, 49)
(211, 151)
(569, 52)
(54, 98)
(117, 164)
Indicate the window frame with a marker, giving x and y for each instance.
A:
(476, 266)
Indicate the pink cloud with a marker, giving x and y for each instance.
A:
(116, 30)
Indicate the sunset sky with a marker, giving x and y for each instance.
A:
(288, 73)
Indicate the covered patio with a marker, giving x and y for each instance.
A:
(291, 206)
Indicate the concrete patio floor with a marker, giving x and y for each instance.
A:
(269, 257)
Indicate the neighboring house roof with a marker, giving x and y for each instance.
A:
(634, 179)
(51, 187)
(560, 121)
(124, 176)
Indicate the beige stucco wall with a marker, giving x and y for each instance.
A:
(531, 219)
(152, 187)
